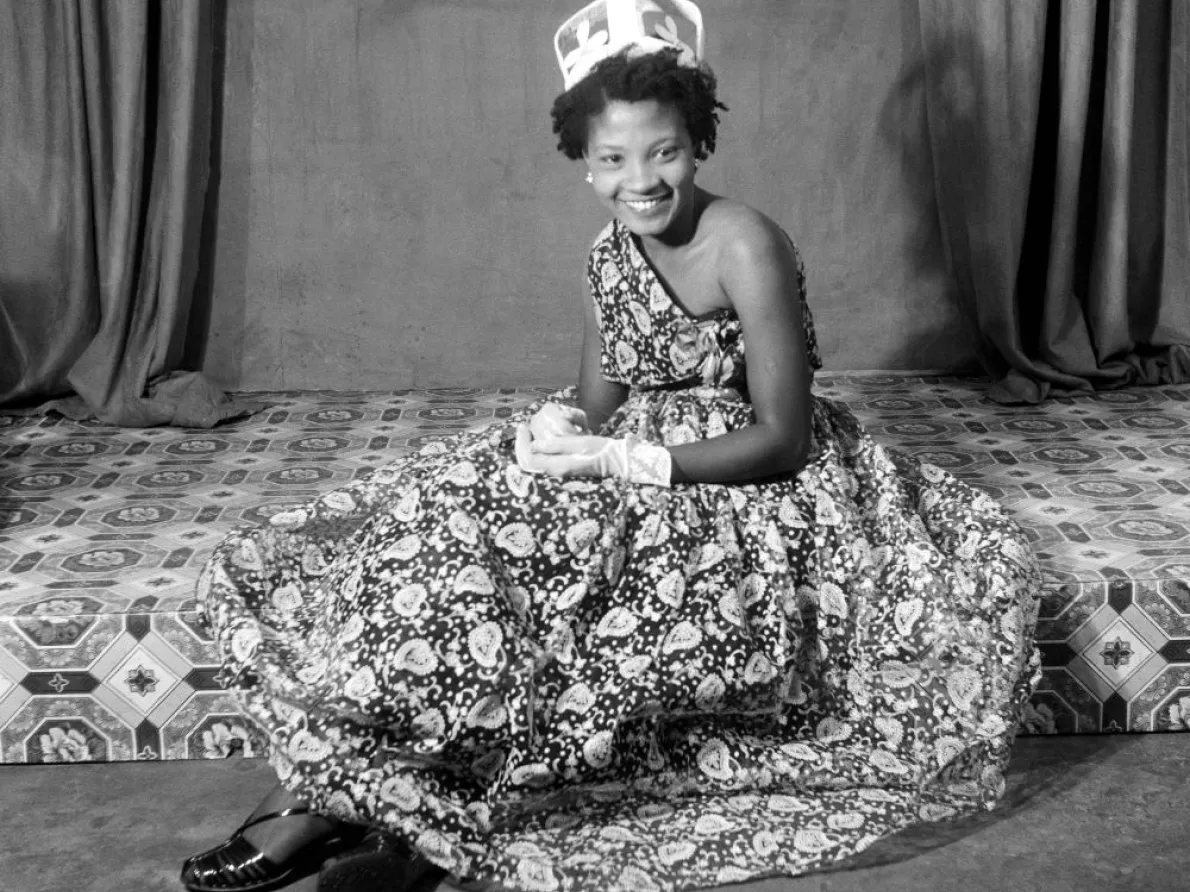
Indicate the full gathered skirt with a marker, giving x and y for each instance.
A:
(587, 684)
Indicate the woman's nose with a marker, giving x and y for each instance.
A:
(641, 177)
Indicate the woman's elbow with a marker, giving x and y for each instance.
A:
(790, 451)
(796, 455)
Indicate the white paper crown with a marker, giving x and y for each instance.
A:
(606, 27)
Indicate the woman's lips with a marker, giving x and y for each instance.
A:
(646, 205)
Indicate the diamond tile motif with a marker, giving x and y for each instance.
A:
(1116, 654)
(142, 680)
(102, 532)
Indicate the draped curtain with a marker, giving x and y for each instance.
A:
(1061, 153)
(105, 124)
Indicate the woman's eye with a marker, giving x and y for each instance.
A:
(611, 159)
(667, 153)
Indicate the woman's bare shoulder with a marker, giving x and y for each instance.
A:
(744, 236)
(741, 229)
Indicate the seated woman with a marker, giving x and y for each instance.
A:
(681, 626)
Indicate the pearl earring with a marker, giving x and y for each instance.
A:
(696, 163)
(590, 177)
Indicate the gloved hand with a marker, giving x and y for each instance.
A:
(556, 420)
(589, 456)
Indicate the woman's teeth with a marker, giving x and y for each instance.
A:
(646, 205)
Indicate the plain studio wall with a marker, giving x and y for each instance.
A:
(391, 210)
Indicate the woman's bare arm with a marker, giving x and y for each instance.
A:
(760, 277)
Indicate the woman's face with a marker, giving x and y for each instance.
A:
(642, 159)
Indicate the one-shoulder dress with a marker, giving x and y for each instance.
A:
(553, 684)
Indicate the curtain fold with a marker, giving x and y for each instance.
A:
(1061, 149)
(104, 152)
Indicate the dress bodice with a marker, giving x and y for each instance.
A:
(649, 340)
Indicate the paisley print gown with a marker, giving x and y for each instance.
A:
(589, 684)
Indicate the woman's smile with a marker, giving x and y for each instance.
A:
(647, 206)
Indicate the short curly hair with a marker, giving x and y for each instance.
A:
(656, 76)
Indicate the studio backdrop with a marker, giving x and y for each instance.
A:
(105, 122)
(367, 194)
(1060, 136)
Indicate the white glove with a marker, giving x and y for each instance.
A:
(589, 456)
(557, 420)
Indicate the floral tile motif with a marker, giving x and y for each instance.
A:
(102, 531)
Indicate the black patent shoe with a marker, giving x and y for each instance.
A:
(381, 862)
(238, 866)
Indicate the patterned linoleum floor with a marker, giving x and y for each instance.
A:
(102, 531)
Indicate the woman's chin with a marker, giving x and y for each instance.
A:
(654, 223)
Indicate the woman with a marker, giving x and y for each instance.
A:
(682, 626)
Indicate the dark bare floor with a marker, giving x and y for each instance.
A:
(1084, 814)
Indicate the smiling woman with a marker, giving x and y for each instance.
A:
(682, 625)
(642, 162)
(642, 122)
(643, 126)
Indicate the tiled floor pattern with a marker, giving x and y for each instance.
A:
(102, 531)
